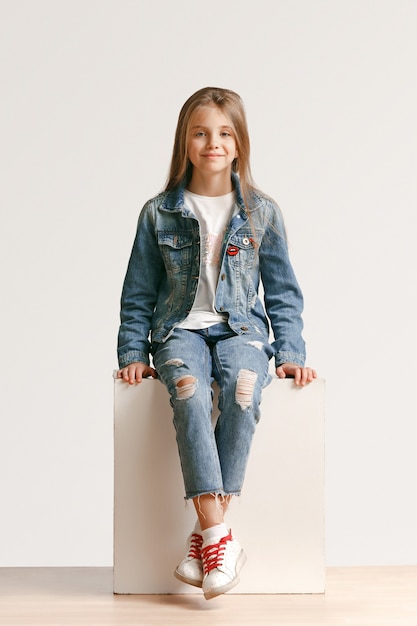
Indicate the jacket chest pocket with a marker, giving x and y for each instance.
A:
(176, 249)
(240, 251)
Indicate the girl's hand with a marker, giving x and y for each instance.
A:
(135, 372)
(301, 375)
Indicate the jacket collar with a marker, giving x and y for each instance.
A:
(174, 199)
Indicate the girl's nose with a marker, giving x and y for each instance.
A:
(212, 141)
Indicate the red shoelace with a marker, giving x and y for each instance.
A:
(212, 556)
(195, 546)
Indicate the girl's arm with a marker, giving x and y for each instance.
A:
(140, 293)
(283, 296)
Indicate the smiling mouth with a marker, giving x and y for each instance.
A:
(213, 155)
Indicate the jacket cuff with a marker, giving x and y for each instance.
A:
(133, 356)
(289, 357)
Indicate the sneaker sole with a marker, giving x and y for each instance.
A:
(213, 593)
(188, 581)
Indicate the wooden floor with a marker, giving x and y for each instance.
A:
(83, 596)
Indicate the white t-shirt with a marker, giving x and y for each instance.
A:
(213, 215)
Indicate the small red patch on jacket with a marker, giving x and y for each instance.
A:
(232, 250)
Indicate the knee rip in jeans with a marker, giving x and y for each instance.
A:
(185, 386)
(245, 386)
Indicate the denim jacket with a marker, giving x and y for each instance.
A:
(163, 272)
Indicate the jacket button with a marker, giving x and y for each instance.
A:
(222, 308)
(244, 328)
(223, 276)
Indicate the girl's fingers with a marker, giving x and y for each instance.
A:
(280, 372)
(301, 375)
(298, 376)
(135, 372)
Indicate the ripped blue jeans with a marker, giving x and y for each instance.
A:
(214, 461)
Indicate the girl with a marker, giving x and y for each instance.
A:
(190, 298)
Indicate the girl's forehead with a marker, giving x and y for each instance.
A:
(210, 115)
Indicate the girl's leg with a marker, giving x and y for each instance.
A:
(184, 365)
(210, 509)
(210, 469)
(240, 365)
(241, 368)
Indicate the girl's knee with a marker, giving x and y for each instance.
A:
(245, 388)
(177, 377)
(242, 389)
(185, 387)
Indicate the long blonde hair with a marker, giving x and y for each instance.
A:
(232, 106)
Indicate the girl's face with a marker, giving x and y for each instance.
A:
(211, 144)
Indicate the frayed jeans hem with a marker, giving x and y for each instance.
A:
(213, 492)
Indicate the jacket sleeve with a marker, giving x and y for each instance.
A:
(282, 293)
(140, 292)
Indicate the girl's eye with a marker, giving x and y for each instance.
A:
(200, 134)
(226, 134)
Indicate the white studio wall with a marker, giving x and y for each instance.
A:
(91, 91)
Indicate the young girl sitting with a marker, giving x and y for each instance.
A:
(190, 299)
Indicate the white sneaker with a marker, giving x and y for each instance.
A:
(222, 563)
(190, 570)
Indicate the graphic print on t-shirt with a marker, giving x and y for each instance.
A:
(211, 248)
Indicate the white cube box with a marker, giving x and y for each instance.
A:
(278, 519)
